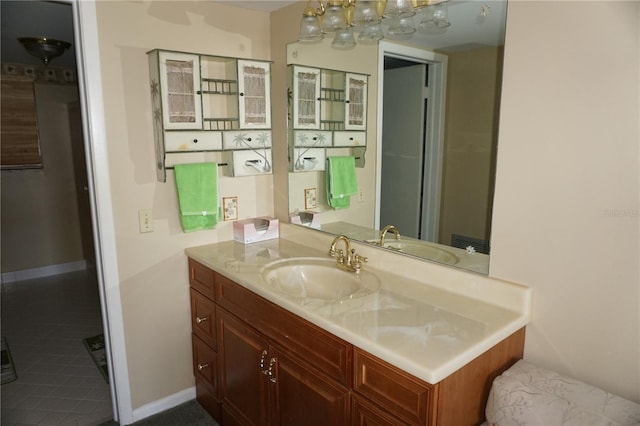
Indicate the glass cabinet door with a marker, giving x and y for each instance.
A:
(306, 98)
(180, 87)
(356, 102)
(254, 85)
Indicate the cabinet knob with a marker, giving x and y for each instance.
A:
(202, 366)
(195, 141)
(350, 139)
(241, 93)
(199, 92)
(201, 320)
(248, 139)
(347, 101)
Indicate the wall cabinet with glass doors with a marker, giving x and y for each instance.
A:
(327, 109)
(211, 108)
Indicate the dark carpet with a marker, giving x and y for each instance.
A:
(187, 414)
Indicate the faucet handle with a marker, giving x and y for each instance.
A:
(357, 261)
(341, 257)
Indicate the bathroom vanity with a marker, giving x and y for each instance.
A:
(401, 353)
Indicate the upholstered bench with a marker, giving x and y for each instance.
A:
(527, 395)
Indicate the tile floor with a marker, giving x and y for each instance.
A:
(44, 321)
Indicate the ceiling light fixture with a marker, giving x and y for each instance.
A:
(341, 18)
(44, 48)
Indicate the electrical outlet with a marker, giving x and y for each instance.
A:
(145, 220)
(360, 196)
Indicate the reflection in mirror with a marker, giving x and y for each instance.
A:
(429, 155)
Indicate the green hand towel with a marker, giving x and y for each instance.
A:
(341, 181)
(197, 186)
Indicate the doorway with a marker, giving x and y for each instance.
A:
(79, 114)
(410, 139)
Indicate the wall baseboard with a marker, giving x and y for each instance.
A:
(164, 404)
(44, 271)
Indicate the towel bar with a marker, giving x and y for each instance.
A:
(219, 164)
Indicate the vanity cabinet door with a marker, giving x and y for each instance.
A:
(299, 396)
(243, 372)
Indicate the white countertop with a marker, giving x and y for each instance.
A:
(421, 328)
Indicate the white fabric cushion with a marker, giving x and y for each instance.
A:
(528, 395)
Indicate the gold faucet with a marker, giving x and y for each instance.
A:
(350, 261)
(388, 228)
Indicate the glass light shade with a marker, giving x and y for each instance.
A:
(44, 48)
(365, 13)
(310, 29)
(371, 33)
(334, 19)
(344, 39)
(401, 28)
(436, 16)
(401, 8)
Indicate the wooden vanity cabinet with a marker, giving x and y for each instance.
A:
(262, 365)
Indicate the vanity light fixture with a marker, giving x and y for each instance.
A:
(341, 18)
(44, 48)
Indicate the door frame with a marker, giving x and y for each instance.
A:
(434, 148)
(89, 71)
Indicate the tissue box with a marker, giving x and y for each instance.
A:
(254, 230)
(310, 219)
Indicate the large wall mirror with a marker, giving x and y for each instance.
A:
(427, 166)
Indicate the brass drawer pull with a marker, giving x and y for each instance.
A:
(271, 372)
(263, 368)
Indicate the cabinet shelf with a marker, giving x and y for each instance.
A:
(219, 86)
(333, 95)
(221, 123)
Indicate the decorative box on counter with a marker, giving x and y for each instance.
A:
(310, 219)
(257, 229)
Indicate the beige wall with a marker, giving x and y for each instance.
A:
(566, 218)
(473, 101)
(40, 225)
(152, 267)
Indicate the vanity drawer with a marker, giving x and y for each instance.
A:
(243, 139)
(349, 139)
(203, 320)
(315, 139)
(248, 162)
(391, 388)
(201, 278)
(192, 141)
(205, 364)
(321, 350)
(308, 159)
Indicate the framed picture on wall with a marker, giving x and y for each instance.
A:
(230, 208)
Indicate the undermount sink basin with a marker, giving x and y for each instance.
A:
(422, 249)
(318, 278)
